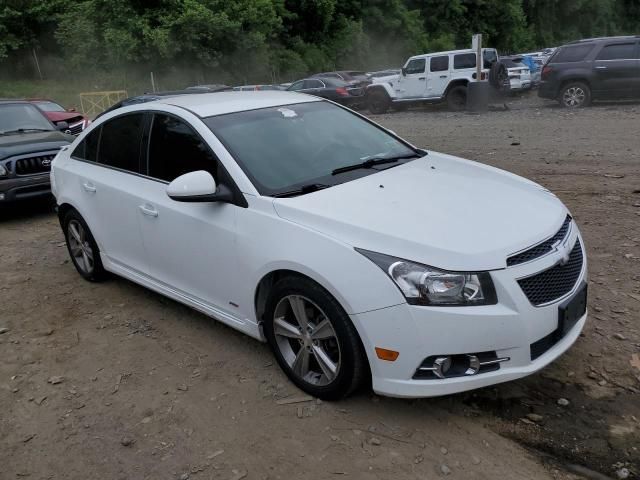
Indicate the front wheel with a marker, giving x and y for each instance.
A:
(378, 102)
(575, 95)
(313, 339)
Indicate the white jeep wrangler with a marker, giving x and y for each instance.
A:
(430, 78)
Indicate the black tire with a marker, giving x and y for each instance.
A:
(95, 272)
(352, 365)
(457, 98)
(575, 95)
(378, 102)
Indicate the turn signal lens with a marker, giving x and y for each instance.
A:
(388, 355)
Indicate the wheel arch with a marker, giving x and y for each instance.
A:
(573, 78)
(269, 279)
(460, 82)
(64, 207)
(381, 87)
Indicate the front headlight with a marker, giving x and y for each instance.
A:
(423, 285)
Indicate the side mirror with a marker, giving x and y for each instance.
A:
(404, 71)
(72, 109)
(198, 186)
(62, 126)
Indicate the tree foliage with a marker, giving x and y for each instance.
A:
(255, 40)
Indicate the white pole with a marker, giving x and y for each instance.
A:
(153, 83)
(480, 60)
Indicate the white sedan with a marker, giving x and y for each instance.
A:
(354, 254)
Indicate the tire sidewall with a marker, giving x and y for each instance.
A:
(460, 92)
(98, 273)
(380, 99)
(351, 353)
(584, 87)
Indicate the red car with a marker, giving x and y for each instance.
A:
(56, 113)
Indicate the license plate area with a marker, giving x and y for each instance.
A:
(572, 310)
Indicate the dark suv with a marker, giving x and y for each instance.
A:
(28, 144)
(593, 69)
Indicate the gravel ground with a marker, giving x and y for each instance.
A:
(113, 381)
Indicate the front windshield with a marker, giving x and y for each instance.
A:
(281, 148)
(22, 116)
(50, 107)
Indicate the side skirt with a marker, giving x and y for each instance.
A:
(245, 326)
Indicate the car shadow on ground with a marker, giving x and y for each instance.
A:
(26, 210)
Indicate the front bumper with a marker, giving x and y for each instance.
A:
(509, 329)
(24, 188)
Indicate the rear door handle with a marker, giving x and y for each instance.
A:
(601, 67)
(443, 76)
(421, 78)
(148, 210)
(89, 187)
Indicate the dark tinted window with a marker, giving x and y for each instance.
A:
(175, 149)
(334, 82)
(88, 148)
(416, 65)
(619, 51)
(313, 84)
(464, 60)
(439, 64)
(296, 86)
(489, 56)
(573, 53)
(120, 142)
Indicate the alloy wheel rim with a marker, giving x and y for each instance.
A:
(574, 96)
(79, 247)
(307, 340)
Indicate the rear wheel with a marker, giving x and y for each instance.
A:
(313, 339)
(575, 95)
(82, 247)
(378, 102)
(457, 98)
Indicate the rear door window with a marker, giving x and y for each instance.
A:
(88, 148)
(313, 84)
(618, 51)
(439, 64)
(572, 53)
(120, 142)
(464, 60)
(175, 149)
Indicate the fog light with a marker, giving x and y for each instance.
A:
(459, 365)
(1, 196)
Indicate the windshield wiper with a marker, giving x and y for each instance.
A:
(22, 130)
(373, 161)
(311, 187)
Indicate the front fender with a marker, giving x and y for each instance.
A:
(384, 86)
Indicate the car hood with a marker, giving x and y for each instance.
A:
(70, 117)
(439, 210)
(23, 143)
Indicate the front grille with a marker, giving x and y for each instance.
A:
(542, 248)
(555, 282)
(34, 165)
(76, 129)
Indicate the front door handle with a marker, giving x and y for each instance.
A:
(601, 67)
(421, 78)
(89, 187)
(148, 210)
(443, 76)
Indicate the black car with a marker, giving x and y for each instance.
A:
(330, 88)
(151, 96)
(28, 144)
(352, 77)
(594, 69)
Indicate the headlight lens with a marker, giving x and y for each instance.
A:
(423, 285)
(3, 171)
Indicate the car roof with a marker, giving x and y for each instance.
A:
(209, 104)
(449, 52)
(605, 39)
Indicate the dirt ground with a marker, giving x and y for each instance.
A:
(111, 381)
